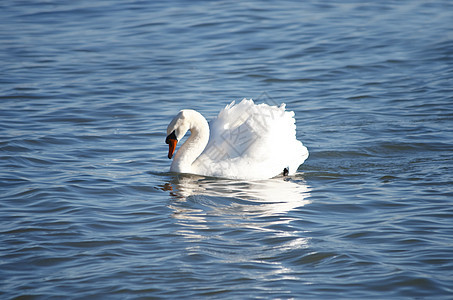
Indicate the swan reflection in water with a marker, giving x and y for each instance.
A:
(240, 221)
(236, 202)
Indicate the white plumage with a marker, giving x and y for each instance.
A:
(245, 141)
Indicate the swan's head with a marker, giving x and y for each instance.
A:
(176, 130)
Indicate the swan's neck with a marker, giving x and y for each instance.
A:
(193, 147)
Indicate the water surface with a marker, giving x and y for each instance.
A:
(89, 210)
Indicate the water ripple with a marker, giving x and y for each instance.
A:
(87, 205)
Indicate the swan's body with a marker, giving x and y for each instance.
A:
(245, 141)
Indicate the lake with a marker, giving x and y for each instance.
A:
(89, 209)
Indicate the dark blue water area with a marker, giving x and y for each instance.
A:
(89, 209)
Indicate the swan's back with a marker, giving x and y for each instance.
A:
(249, 141)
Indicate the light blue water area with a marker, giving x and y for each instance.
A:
(88, 208)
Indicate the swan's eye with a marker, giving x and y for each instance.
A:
(171, 136)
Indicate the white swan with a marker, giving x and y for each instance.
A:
(245, 141)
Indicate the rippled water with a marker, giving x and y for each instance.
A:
(88, 209)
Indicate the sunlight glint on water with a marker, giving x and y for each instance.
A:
(88, 208)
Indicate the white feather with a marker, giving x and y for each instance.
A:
(246, 141)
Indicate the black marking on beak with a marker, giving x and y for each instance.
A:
(171, 136)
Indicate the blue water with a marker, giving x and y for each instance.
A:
(88, 208)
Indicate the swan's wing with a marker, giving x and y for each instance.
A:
(252, 141)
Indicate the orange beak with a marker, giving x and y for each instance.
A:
(171, 147)
(171, 140)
